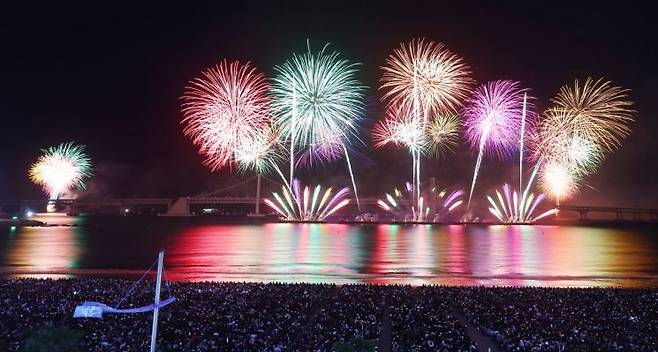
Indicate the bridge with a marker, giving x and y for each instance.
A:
(181, 206)
(621, 214)
(254, 185)
(252, 200)
(73, 204)
(168, 206)
(173, 207)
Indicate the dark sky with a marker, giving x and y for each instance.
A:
(110, 78)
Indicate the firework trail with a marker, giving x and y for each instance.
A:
(522, 139)
(226, 114)
(493, 120)
(402, 128)
(317, 106)
(513, 207)
(301, 205)
(61, 168)
(402, 203)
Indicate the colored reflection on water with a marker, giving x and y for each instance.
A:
(340, 253)
(29, 255)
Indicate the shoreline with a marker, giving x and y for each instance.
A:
(537, 282)
(247, 220)
(110, 277)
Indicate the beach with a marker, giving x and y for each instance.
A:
(314, 317)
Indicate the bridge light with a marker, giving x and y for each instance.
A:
(29, 213)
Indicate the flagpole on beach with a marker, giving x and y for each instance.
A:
(158, 282)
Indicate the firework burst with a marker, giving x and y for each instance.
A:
(318, 102)
(427, 75)
(61, 168)
(428, 79)
(260, 154)
(601, 110)
(494, 116)
(587, 121)
(317, 105)
(296, 204)
(444, 134)
(401, 129)
(225, 112)
(558, 181)
(560, 140)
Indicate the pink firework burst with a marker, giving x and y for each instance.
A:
(493, 115)
(225, 111)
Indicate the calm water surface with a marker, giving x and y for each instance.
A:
(199, 249)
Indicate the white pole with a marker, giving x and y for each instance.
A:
(158, 282)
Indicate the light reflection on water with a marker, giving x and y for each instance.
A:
(340, 253)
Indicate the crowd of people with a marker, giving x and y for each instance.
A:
(313, 317)
(558, 319)
(423, 320)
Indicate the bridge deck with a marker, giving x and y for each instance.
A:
(619, 212)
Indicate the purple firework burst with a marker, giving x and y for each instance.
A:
(493, 115)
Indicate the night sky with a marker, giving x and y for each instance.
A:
(111, 77)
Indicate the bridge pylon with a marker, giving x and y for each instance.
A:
(181, 207)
